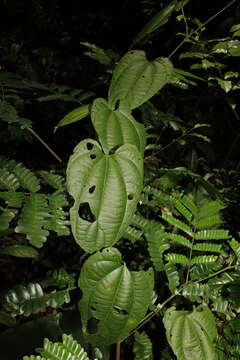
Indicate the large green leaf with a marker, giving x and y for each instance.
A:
(114, 299)
(191, 333)
(116, 127)
(142, 346)
(106, 189)
(135, 79)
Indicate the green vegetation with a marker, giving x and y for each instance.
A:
(127, 246)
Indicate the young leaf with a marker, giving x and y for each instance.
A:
(106, 190)
(135, 79)
(114, 299)
(142, 346)
(116, 127)
(75, 115)
(191, 333)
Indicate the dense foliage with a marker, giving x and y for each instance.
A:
(127, 246)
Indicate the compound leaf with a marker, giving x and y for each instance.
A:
(34, 219)
(116, 127)
(114, 299)
(135, 79)
(30, 298)
(106, 190)
(191, 333)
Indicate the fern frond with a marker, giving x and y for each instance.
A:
(54, 180)
(153, 196)
(235, 245)
(133, 234)
(204, 259)
(209, 221)
(173, 276)
(26, 178)
(189, 204)
(174, 258)
(196, 289)
(157, 244)
(211, 235)
(68, 349)
(145, 224)
(210, 208)
(142, 346)
(182, 210)
(178, 238)
(59, 278)
(57, 219)
(8, 180)
(207, 247)
(12, 198)
(26, 300)
(177, 223)
(6, 217)
(34, 219)
(200, 271)
(220, 305)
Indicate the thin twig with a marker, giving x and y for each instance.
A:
(43, 143)
(200, 27)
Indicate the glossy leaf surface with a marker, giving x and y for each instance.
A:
(135, 79)
(114, 299)
(106, 189)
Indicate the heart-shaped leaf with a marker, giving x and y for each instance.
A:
(135, 79)
(105, 189)
(191, 333)
(116, 127)
(114, 299)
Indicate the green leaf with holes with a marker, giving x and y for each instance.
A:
(116, 127)
(114, 299)
(106, 190)
(191, 334)
(135, 79)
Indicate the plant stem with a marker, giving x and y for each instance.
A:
(43, 143)
(200, 27)
(118, 350)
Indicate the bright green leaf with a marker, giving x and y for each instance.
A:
(114, 299)
(106, 190)
(75, 115)
(20, 251)
(116, 127)
(135, 79)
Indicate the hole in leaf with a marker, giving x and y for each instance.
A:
(93, 308)
(89, 146)
(130, 196)
(92, 325)
(114, 149)
(119, 310)
(70, 200)
(117, 105)
(85, 212)
(91, 189)
(93, 156)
